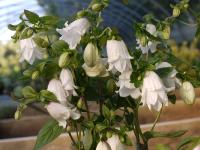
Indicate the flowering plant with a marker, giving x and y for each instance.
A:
(86, 63)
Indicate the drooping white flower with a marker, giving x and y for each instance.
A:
(29, 51)
(126, 88)
(153, 91)
(103, 146)
(170, 81)
(118, 56)
(187, 92)
(115, 143)
(197, 147)
(55, 86)
(150, 45)
(61, 113)
(72, 32)
(68, 82)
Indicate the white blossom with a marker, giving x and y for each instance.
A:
(187, 92)
(61, 113)
(115, 143)
(55, 86)
(29, 51)
(118, 56)
(153, 91)
(68, 82)
(72, 32)
(197, 147)
(150, 45)
(103, 146)
(126, 88)
(170, 81)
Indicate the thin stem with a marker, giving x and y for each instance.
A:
(186, 23)
(87, 108)
(157, 118)
(71, 137)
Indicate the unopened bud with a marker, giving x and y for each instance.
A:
(176, 12)
(27, 73)
(18, 115)
(19, 28)
(30, 32)
(111, 86)
(97, 7)
(80, 104)
(143, 40)
(91, 56)
(187, 93)
(81, 13)
(35, 75)
(64, 60)
(166, 32)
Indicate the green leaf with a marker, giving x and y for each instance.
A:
(58, 47)
(12, 27)
(106, 112)
(87, 140)
(100, 127)
(31, 16)
(29, 92)
(49, 20)
(164, 72)
(47, 134)
(186, 141)
(173, 134)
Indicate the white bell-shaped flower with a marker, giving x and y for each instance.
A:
(197, 147)
(118, 56)
(153, 91)
(115, 143)
(55, 86)
(125, 87)
(150, 45)
(187, 92)
(103, 146)
(67, 81)
(61, 113)
(170, 82)
(72, 32)
(29, 51)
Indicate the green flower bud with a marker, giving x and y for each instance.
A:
(64, 60)
(91, 56)
(186, 6)
(81, 13)
(108, 134)
(97, 7)
(80, 104)
(20, 27)
(30, 32)
(176, 12)
(143, 40)
(35, 75)
(29, 92)
(187, 93)
(166, 32)
(111, 86)
(18, 115)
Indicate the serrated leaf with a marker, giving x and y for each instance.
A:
(49, 20)
(173, 134)
(31, 16)
(87, 140)
(47, 134)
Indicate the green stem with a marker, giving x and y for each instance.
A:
(87, 108)
(72, 139)
(157, 118)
